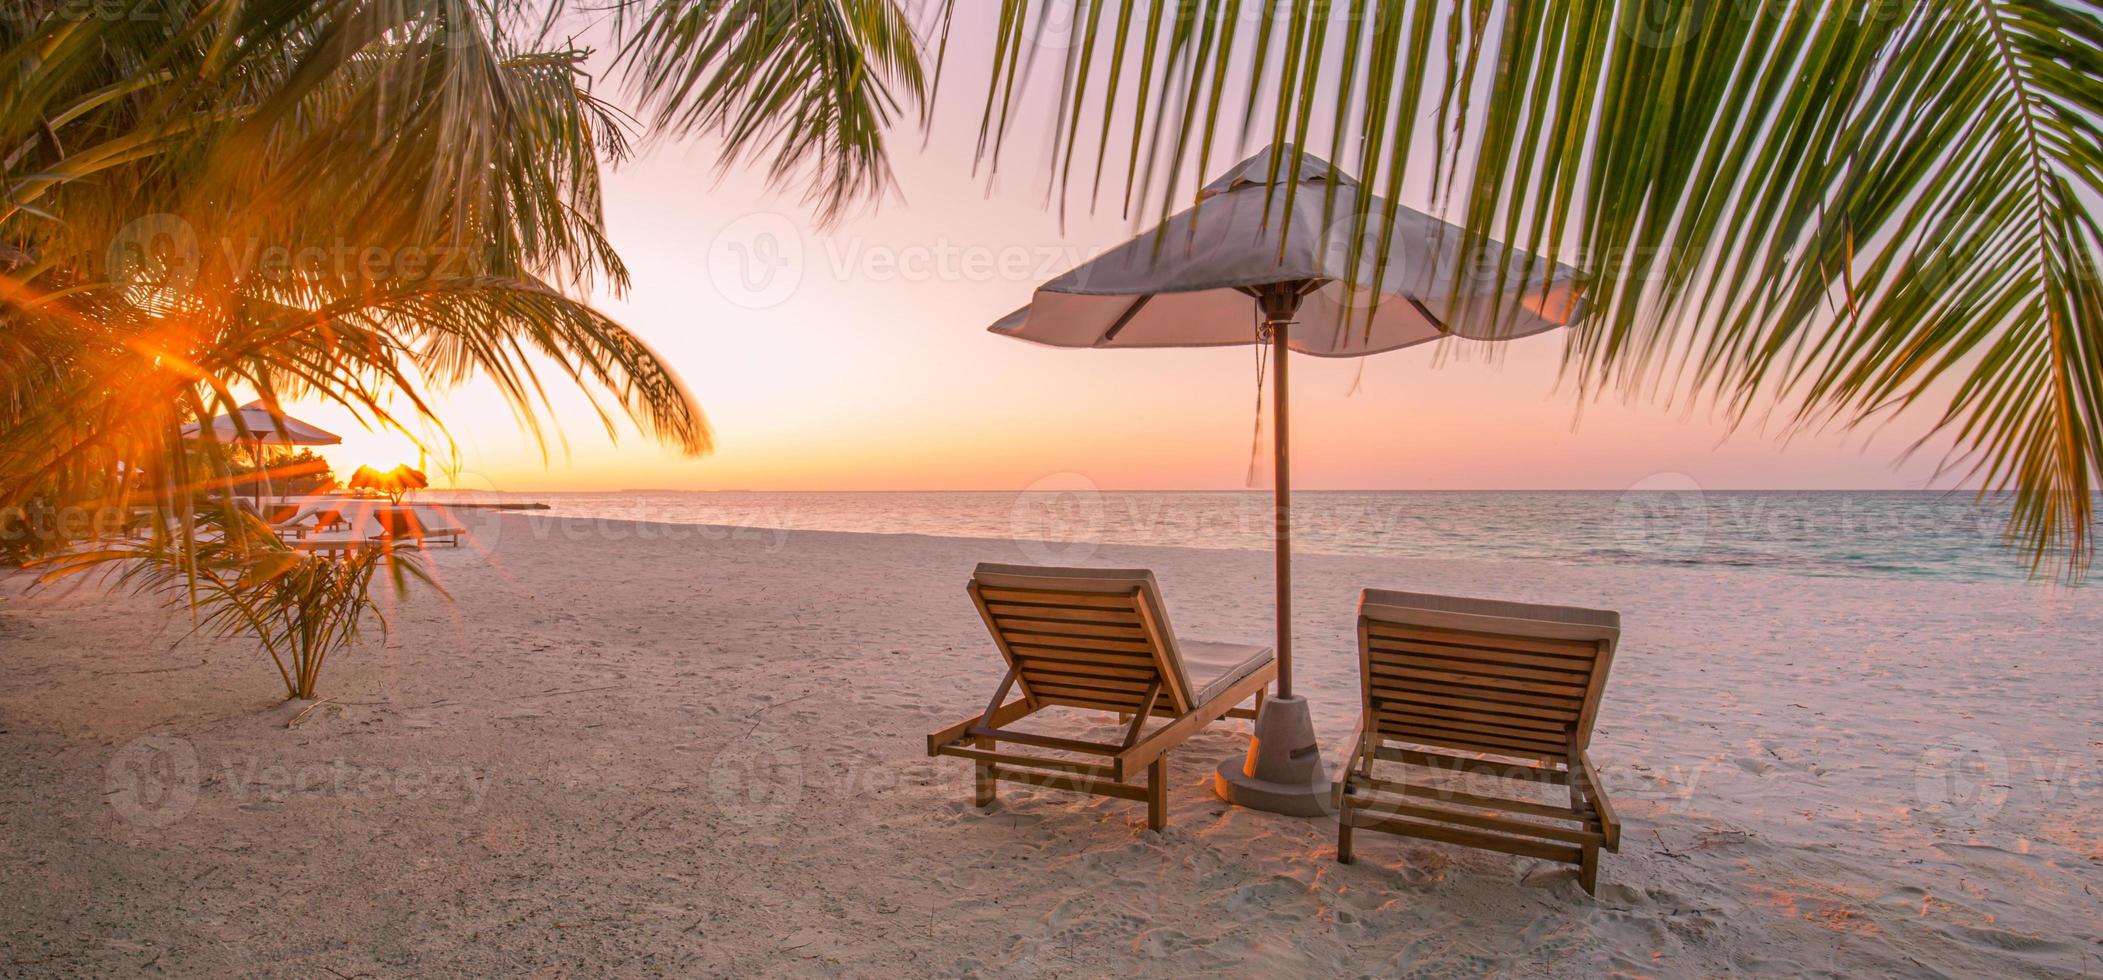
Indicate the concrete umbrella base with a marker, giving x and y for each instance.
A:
(1284, 771)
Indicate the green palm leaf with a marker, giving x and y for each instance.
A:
(1842, 209)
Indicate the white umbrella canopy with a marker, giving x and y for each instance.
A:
(1188, 283)
(261, 427)
(1244, 268)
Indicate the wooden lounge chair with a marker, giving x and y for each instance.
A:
(1096, 639)
(401, 525)
(285, 519)
(282, 519)
(1512, 686)
(331, 519)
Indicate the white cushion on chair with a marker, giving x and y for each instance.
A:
(1214, 667)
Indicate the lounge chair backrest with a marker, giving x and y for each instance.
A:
(1480, 675)
(1085, 637)
(402, 523)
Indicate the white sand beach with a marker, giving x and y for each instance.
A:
(653, 749)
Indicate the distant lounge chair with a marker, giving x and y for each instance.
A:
(282, 518)
(331, 519)
(1510, 680)
(1097, 639)
(403, 525)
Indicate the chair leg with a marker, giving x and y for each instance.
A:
(1588, 871)
(1343, 837)
(1157, 794)
(987, 788)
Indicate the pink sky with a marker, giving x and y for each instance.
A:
(863, 363)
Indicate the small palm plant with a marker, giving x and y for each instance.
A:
(241, 579)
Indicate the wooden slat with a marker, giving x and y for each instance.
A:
(1450, 722)
(1570, 665)
(1477, 820)
(1041, 741)
(1040, 671)
(1507, 740)
(1572, 692)
(1484, 667)
(1096, 600)
(1031, 676)
(1117, 700)
(1458, 740)
(1091, 769)
(1561, 709)
(1441, 762)
(1117, 616)
(1579, 649)
(1557, 717)
(1091, 667)
(1086, 656)
(1480, 715)
(1113, 630)
(1455, 835)
(1423, 792)
(1022, 639)
(1083, 701)
(1095, 787)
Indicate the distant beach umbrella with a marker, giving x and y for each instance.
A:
(364, 478)
(1293, 268)
(252, 425)
(404, 479)
(394, 483)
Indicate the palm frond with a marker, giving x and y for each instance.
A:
(1842, 209)
(359, 202)
(809, 87)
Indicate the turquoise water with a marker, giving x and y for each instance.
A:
(1877, 534)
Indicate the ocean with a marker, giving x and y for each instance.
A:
(1920, 535)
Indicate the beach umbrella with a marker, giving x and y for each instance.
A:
(253, 423)
(402, 479)
(364, 478)
(394, 483)
(1292, 267)
(254, 426)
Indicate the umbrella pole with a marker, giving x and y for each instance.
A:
(1283, 772)
(1281, 496)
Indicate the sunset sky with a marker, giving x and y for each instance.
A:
(856, 358)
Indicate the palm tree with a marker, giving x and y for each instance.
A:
(358, 201)
(1829, 211)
